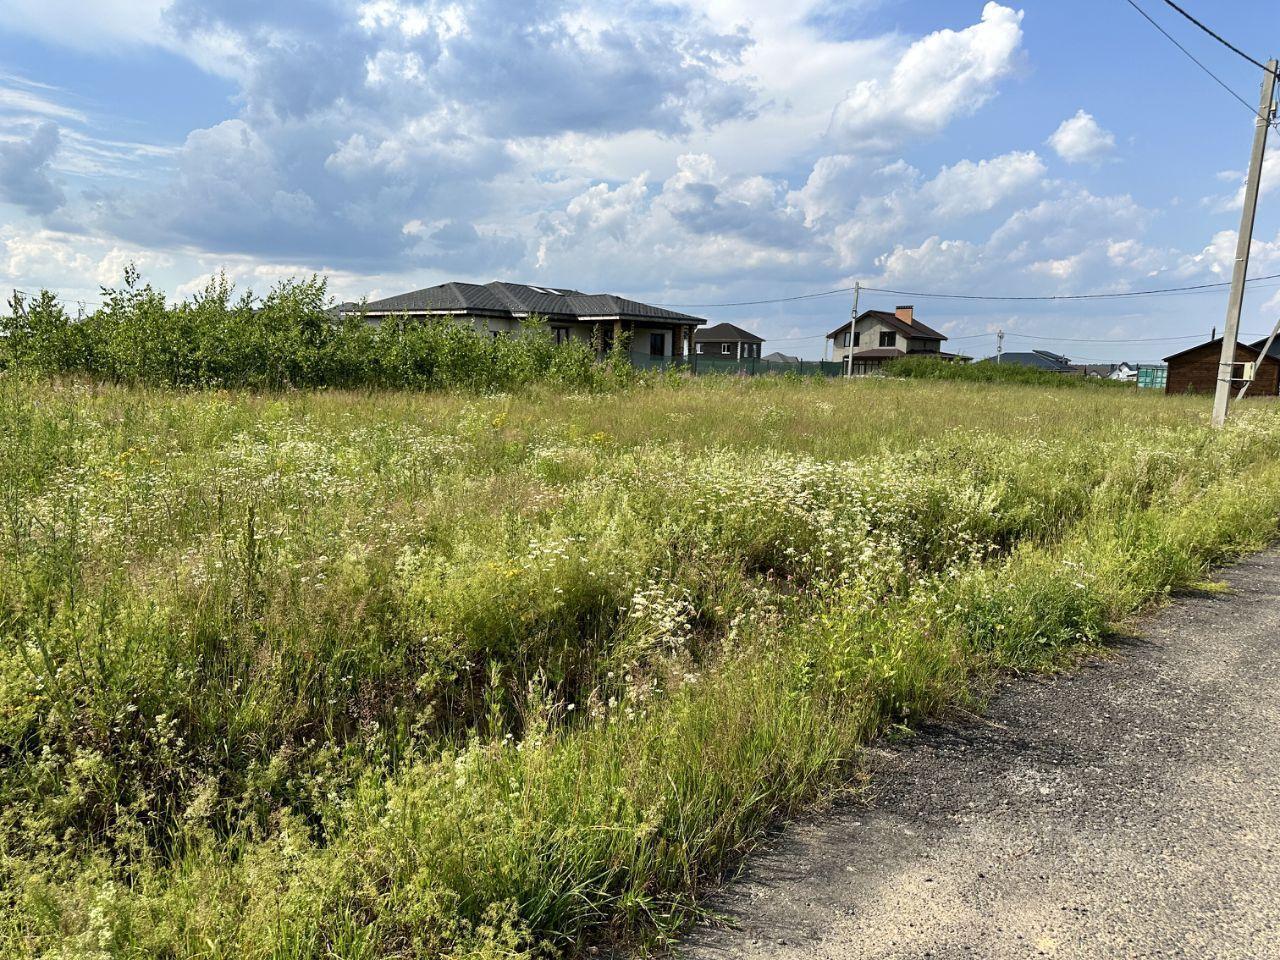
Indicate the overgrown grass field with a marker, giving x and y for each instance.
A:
(407, 675)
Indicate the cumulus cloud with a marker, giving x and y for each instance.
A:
(967, 187)
(849, 218)
(25, 178)
(1080, 139)
(1268, 182)
(1072, 241)
(945, 75)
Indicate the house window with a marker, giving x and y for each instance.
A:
(657, 344)
(561, 333)
(699, 348)
(888, 339)
(845, 342)
(857, 338)
(726, 349)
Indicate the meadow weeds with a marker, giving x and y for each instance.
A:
(391, 675)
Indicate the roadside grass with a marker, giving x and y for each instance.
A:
(400, 675)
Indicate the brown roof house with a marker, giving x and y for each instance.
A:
(866, 343)
(1195, 370)
(724, 341)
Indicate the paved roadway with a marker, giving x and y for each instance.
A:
(1129, 809)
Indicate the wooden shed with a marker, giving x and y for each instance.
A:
(1195, 370)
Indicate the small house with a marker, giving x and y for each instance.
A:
(1195, 370)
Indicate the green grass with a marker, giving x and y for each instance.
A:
(416, 675)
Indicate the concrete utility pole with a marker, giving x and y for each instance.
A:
(1231, 332)
(853, 322)
(999, 344)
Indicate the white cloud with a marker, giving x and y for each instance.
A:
(25, 178)
(1218, 256)
(94, 27)
(945, 75)
(1267, 183)
(967, 187)
(1080, 139)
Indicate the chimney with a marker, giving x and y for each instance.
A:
(905, 314)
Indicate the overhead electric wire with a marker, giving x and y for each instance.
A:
(1160, 291)
(1226, 43)
(1034, 336)
(1192, 57)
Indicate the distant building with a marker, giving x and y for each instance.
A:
(500, 308)
(725, 341)
(867, 342)
(1039, 359)
(1195, 370)
(1123, 371)
(776, 357)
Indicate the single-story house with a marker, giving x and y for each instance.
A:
(777, 357)
(865, 343)
(500, 308)
(1195, 370)
(1040, 359)
(728, 342)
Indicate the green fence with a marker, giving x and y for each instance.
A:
(749, 367)
(1152, 376)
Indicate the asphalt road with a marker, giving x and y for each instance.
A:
(1128, 809)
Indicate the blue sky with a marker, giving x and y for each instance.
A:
(677, 152)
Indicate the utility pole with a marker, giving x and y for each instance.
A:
(853, 322)
(1240, 270)
(999, 344)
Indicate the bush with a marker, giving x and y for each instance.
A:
(291, 338)
(988, 371)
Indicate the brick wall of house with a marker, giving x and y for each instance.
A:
(1197, 372)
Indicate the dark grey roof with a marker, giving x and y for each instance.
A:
(778, 357)
(1040, 359)
(726, 332)
(916, 329)
(1256, 346)
(505, 299)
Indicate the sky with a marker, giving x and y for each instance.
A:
(681, 152)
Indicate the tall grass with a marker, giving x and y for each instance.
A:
(404, 675)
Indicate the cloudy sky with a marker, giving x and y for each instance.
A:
(678, 152)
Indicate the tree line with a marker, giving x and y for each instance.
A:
(290, 338)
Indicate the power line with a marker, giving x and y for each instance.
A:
(1032, 336)
(1226, 43)
(1160, 291)
(1192, 57)
(755, 303)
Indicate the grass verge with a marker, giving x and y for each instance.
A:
(390, 676)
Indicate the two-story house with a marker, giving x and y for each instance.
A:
(865, 343)
(726, 341)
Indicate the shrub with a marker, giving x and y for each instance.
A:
(291, 338)
(988, 371)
